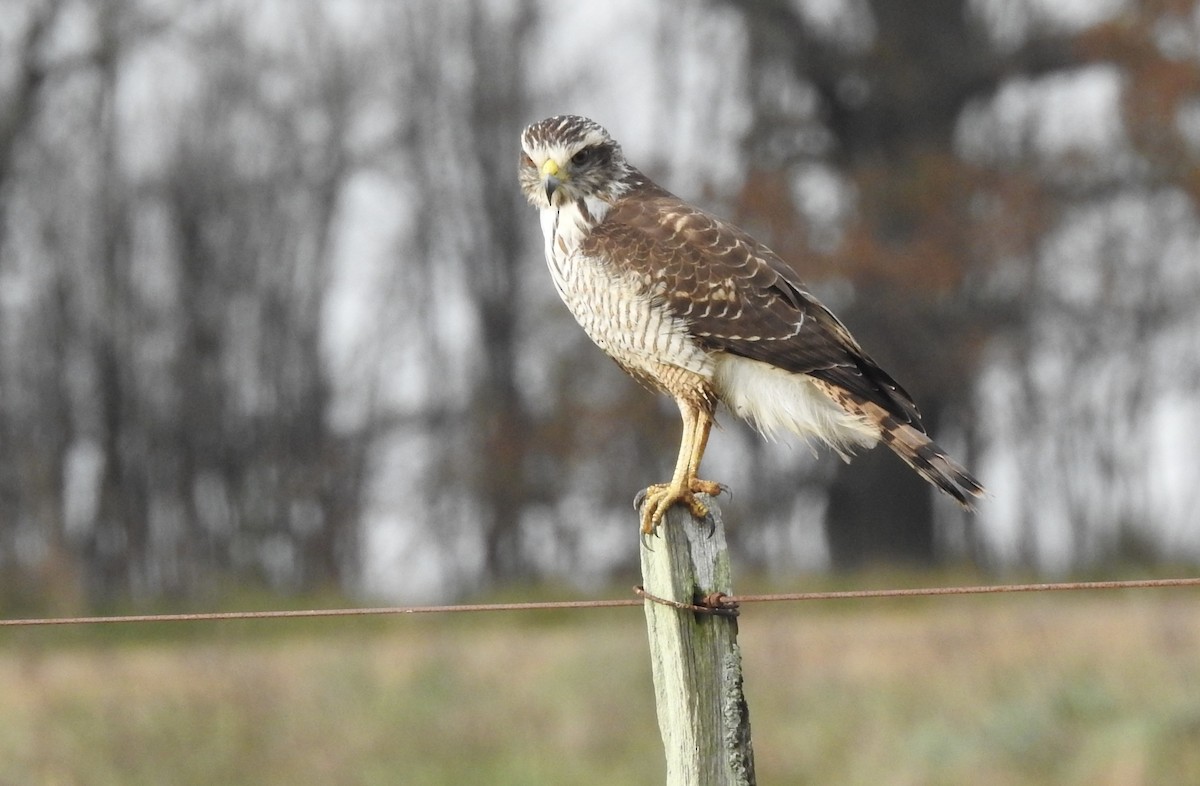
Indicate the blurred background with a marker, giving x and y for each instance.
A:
(274, 314)
(276, 330)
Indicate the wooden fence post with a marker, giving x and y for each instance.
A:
(697, 665)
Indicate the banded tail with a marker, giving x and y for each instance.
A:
(925, 456)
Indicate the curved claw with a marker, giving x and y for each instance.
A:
(709, 487)
(656, 500)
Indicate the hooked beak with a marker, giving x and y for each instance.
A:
(552, 180)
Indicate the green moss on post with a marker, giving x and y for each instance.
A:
(695, 658)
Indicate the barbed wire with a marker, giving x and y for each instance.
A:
(719, 604)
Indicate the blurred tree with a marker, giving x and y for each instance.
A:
(495, 254)
(169, 417)
(461, 102)
(252, 200)
(1111, 283)
(30, 480)
(181, 183)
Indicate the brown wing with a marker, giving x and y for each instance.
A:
(737, 296)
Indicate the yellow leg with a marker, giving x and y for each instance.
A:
(659, 498)
(704, 423)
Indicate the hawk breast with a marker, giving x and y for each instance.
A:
(619, 309)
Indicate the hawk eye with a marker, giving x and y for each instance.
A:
(583, 156)
(526, 160)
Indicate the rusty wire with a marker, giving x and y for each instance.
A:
(710, 606)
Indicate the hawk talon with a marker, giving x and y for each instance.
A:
(710, 487)
(654, 502)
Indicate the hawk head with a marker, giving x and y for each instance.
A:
(566, 158)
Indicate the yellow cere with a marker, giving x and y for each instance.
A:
(550, 168)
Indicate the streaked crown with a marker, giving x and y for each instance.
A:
(567, 158)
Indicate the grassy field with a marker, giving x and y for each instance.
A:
(1051, 689)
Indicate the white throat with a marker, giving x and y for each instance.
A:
(564, 228)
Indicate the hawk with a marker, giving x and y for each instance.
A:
(694, 307)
